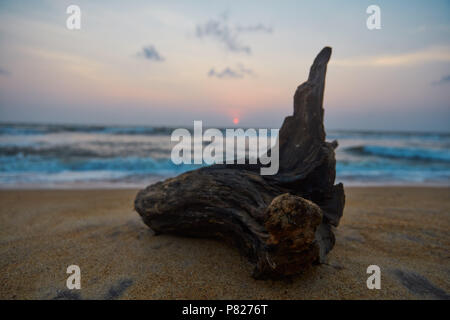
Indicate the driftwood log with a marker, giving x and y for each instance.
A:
(283, 223)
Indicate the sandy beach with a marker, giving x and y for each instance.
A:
(404, 230)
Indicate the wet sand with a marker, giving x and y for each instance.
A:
(404, 230)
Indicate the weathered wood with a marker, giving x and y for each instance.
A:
(284, 222)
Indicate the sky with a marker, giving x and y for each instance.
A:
(169, 63)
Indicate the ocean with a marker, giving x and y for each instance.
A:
(71, 156)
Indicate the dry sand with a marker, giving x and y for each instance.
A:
(405, 231)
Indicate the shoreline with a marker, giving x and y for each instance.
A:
(80, 186)
(404, 230)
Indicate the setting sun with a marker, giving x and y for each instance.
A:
(236, 120)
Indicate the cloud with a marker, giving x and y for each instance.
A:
(4, 72)
(228, 72)
(150, 53)
(255, 28)
(433, 54)
(444, 80)
(218, 30)
(244, 70)
(225, 73)
(221, 31)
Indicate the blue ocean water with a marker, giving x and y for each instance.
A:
(134, 156)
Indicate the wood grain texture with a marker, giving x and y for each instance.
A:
(284, 222)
